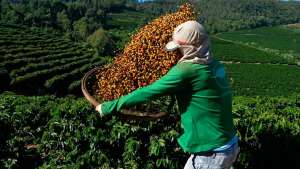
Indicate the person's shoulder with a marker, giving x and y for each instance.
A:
(187, 68)
(184, 66)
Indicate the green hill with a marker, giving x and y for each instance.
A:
(230, 51)
(280, 40)
(50, 132)
(261, 61)
(35, 62)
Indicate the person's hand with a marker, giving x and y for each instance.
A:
(98, 109)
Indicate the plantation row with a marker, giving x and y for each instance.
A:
(15, 49)
(56, 78)
(45, 65)
(13, 64)
(264, 80)
(230, 51)
(7, 28)
(33, 62)
(58, 81)
(56, 65)
(47, 132)
(280, 37)
(126, 20)
(39, 53)
(260, 61)
(281, 40)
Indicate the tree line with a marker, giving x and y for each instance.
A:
(86, 20)
(228, 15)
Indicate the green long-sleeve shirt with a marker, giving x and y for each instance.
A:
(204, 100)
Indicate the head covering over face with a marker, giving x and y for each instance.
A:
(193, 42)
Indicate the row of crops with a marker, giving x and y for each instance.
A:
(126, 20)
(264, 80)
(228, 51)
(280, 37)
(282, 40)
(260, 61)
(48, 132)
(36, 62)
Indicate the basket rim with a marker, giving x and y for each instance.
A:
(124, 113)
(84, 89)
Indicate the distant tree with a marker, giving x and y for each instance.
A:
(56, 7)
(111, 4)
(63, 21)
(7, 14)
(80, 18)
(225, 15)
(97, 16)
(76, 10)
(1, 9)
(101, 41)
(81, 30)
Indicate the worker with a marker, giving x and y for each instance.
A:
(204, 98)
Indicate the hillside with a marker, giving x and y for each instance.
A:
(261, 61)
(47, 46)
(281, 40)
(35, 62)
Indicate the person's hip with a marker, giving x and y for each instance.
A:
(213, 160)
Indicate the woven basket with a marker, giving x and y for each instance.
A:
(88, 83)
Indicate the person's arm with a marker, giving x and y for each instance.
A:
(170, 83)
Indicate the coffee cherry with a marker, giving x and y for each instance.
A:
(144, 59)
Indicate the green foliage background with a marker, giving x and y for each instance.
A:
(78, 19)
(49, 132)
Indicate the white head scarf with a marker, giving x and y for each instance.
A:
(193, 42)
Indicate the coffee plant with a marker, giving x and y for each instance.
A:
(49, 132)
(35, 62)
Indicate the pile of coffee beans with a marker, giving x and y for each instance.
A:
(144, 59)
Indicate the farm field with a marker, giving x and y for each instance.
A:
(264, 80)
(256, 62)
(283, 40)
(232, 52)
(126, 20)
(34, 62)
(46, 123)
(46, 132)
